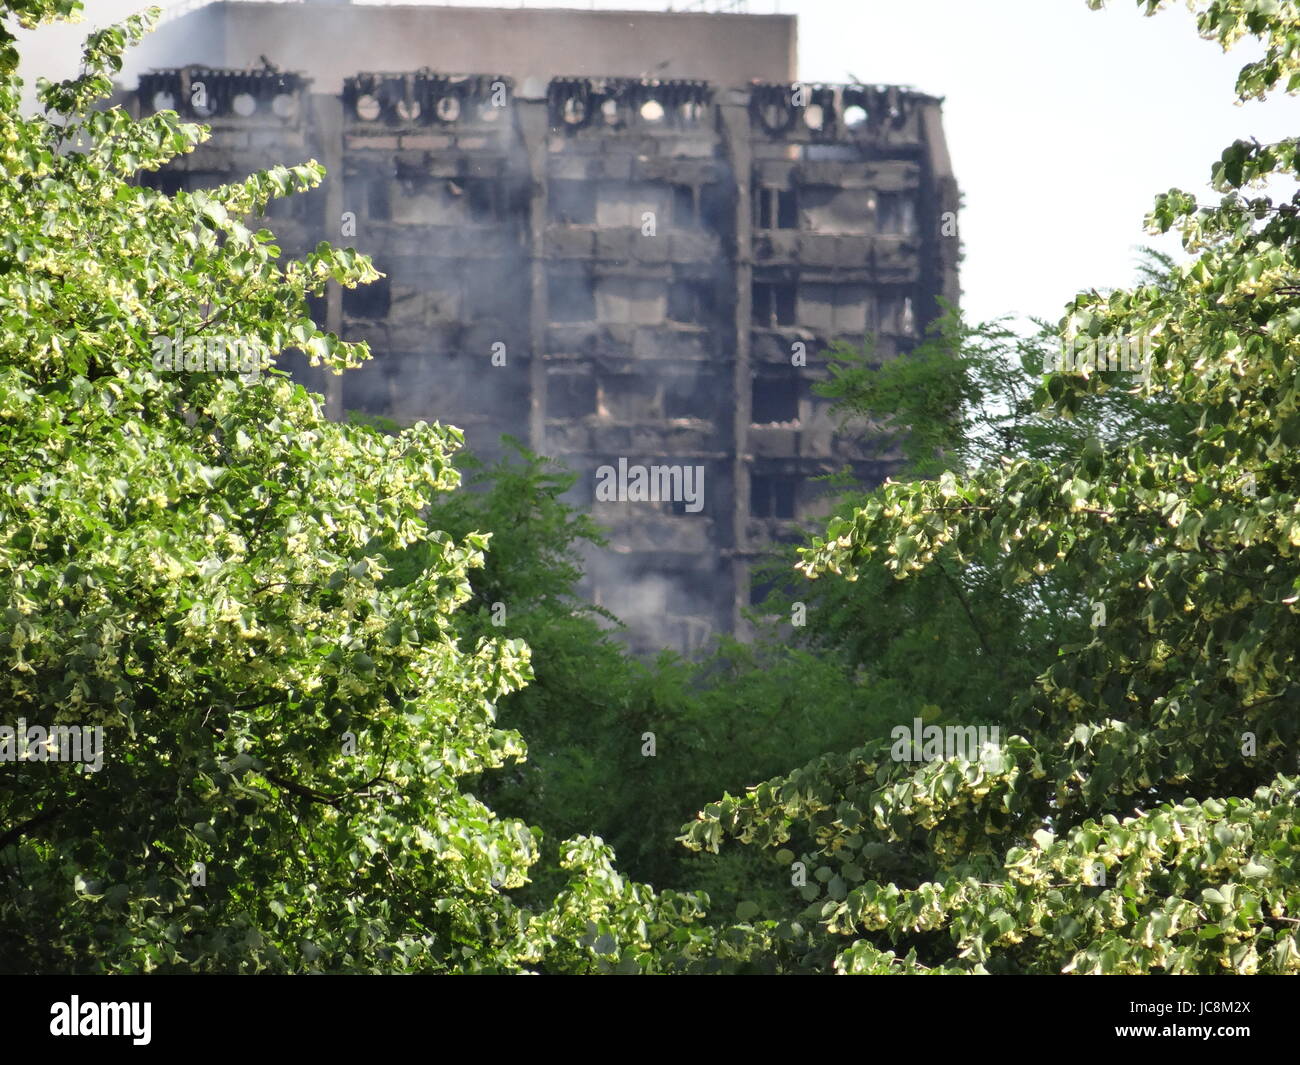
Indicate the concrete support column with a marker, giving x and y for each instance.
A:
(735, 123)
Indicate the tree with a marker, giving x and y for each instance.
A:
(734, 718)
(1141, 814)
(194, 562)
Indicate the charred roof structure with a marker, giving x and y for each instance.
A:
(639, 276)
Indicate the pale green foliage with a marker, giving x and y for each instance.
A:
(1143, 816)
(196, 564)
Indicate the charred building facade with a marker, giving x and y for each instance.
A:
(637, 273)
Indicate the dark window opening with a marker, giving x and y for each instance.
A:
(685, 215)
(571, 299)
(377, 205)
(690, 302)
(716, 209)
(480, 197)
(515, 203)
(896, 315)
(168, 182)
(570, 395)
(759, 591)
(895, 213)
(786, 215)
(771, 497)
(773, 303)
(283, 207)
(368, 391)
(317, 309)
(689, 397)
(171, 182)
(368, 301)
(774, 401)
(775, 209)
(311, 206)
(491, 292)
(572, 202)
(764, 582)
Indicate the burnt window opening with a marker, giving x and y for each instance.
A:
(691, 302)
(896, 214)
(491, 293)
(897, 315)
(310, 206)
(570, 395)
(571, 202)
(690, 397)
(773, 303)
(775, 209)
(774, 401)
(171, 182)
(571, 298)
(716, 210)
(514, 203)
(378, 207)
(685, 207)
(771, 496)
(764, 581)
(480, 197)
(368, 301)
(759, 590)
(168, 182)
(317, 308)
(369, 390)
(283, 207)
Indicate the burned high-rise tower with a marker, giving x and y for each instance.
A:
(617, 235)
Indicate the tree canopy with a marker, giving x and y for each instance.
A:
(1141, 815)
(195, 563)
(314, 713)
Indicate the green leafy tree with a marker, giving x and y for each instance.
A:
(196, 564)
(1141, 814)
(734, 718)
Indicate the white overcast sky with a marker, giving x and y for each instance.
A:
(1063, 123)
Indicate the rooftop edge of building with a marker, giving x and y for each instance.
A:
(328, 41)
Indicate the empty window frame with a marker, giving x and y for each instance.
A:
(896, 213)
(717, 208)
(759, 590)
(570, 395)
(691, 396)
(691, 302)
(570, 202)
(480, 197)
(897, 315)
(686, 213)
(571, 298)
(168, 182)
(771, 496)
(775, 208)
(493, 290)
(368, 301)
(378, 206)
(774, 400)
(171, 182)
(773, 303)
